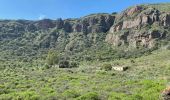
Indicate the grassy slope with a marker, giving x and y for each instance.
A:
(164, 7)
(143, 81)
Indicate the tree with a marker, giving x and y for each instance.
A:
(53, 57)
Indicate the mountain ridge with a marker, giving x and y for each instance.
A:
(141, 26)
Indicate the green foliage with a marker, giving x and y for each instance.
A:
(74, 65)
(68, 64)
(53, 57)
(106, 67)
(117, 96)
(27, 95)
(46, 66)
(164, 7)
(168, 48)
(89, 96)
(24, 51)
(68, 94)
(64, 64)
(146, 76)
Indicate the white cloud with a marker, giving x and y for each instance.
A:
(41, 16)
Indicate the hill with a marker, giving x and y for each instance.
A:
(137, 38)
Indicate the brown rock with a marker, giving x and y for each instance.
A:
(145, 19)
(133, 10)
(166, 94)
(77, 28)
(131, 24)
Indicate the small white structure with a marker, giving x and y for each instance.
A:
(120, 68)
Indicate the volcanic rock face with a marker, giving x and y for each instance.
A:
(89, 24)
(142, 29)
(165, 19)
(94, 24)
(139, 26)
(166, 94)
(67, 34)
(133, 10)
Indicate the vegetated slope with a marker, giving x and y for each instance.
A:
(146, 77)
(28, 38)
(138, 28)
(123, 39)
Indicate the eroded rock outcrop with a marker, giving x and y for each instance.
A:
(94, 24)
(138, 26)
(135, 27)
(165, 95)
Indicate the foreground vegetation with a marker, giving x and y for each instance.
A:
(71, 60)
(146, 77)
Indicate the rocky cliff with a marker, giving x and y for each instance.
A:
(95, 23)
(64, 35)
(139, 26)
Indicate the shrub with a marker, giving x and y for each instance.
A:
(117, 96)
(74, 65)
(89, 96)
(168, 48)
(106, 67)
(46, 66)
(132, 61)
(52, 58)
(64, 64)
(70, 94)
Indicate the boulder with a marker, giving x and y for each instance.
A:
(166, 94)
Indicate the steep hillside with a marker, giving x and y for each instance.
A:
(75, 59)
(140, 26)
(29, 38)
(138, 29)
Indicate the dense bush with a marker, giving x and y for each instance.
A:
(46, 66)
(67, 64)
(106, 67)
(89, 96)
(64, 64)
(53, 57)
(68, 94)
(74, 65)
(168, 48)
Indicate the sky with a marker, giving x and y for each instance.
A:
(53, 9)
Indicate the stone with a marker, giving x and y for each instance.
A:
(45, 23)
(131, 24)
(120, 68)
(166, 94)
(166, 19)
(67, 26)
(133, 10)
(59, 23)
(138, 34)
